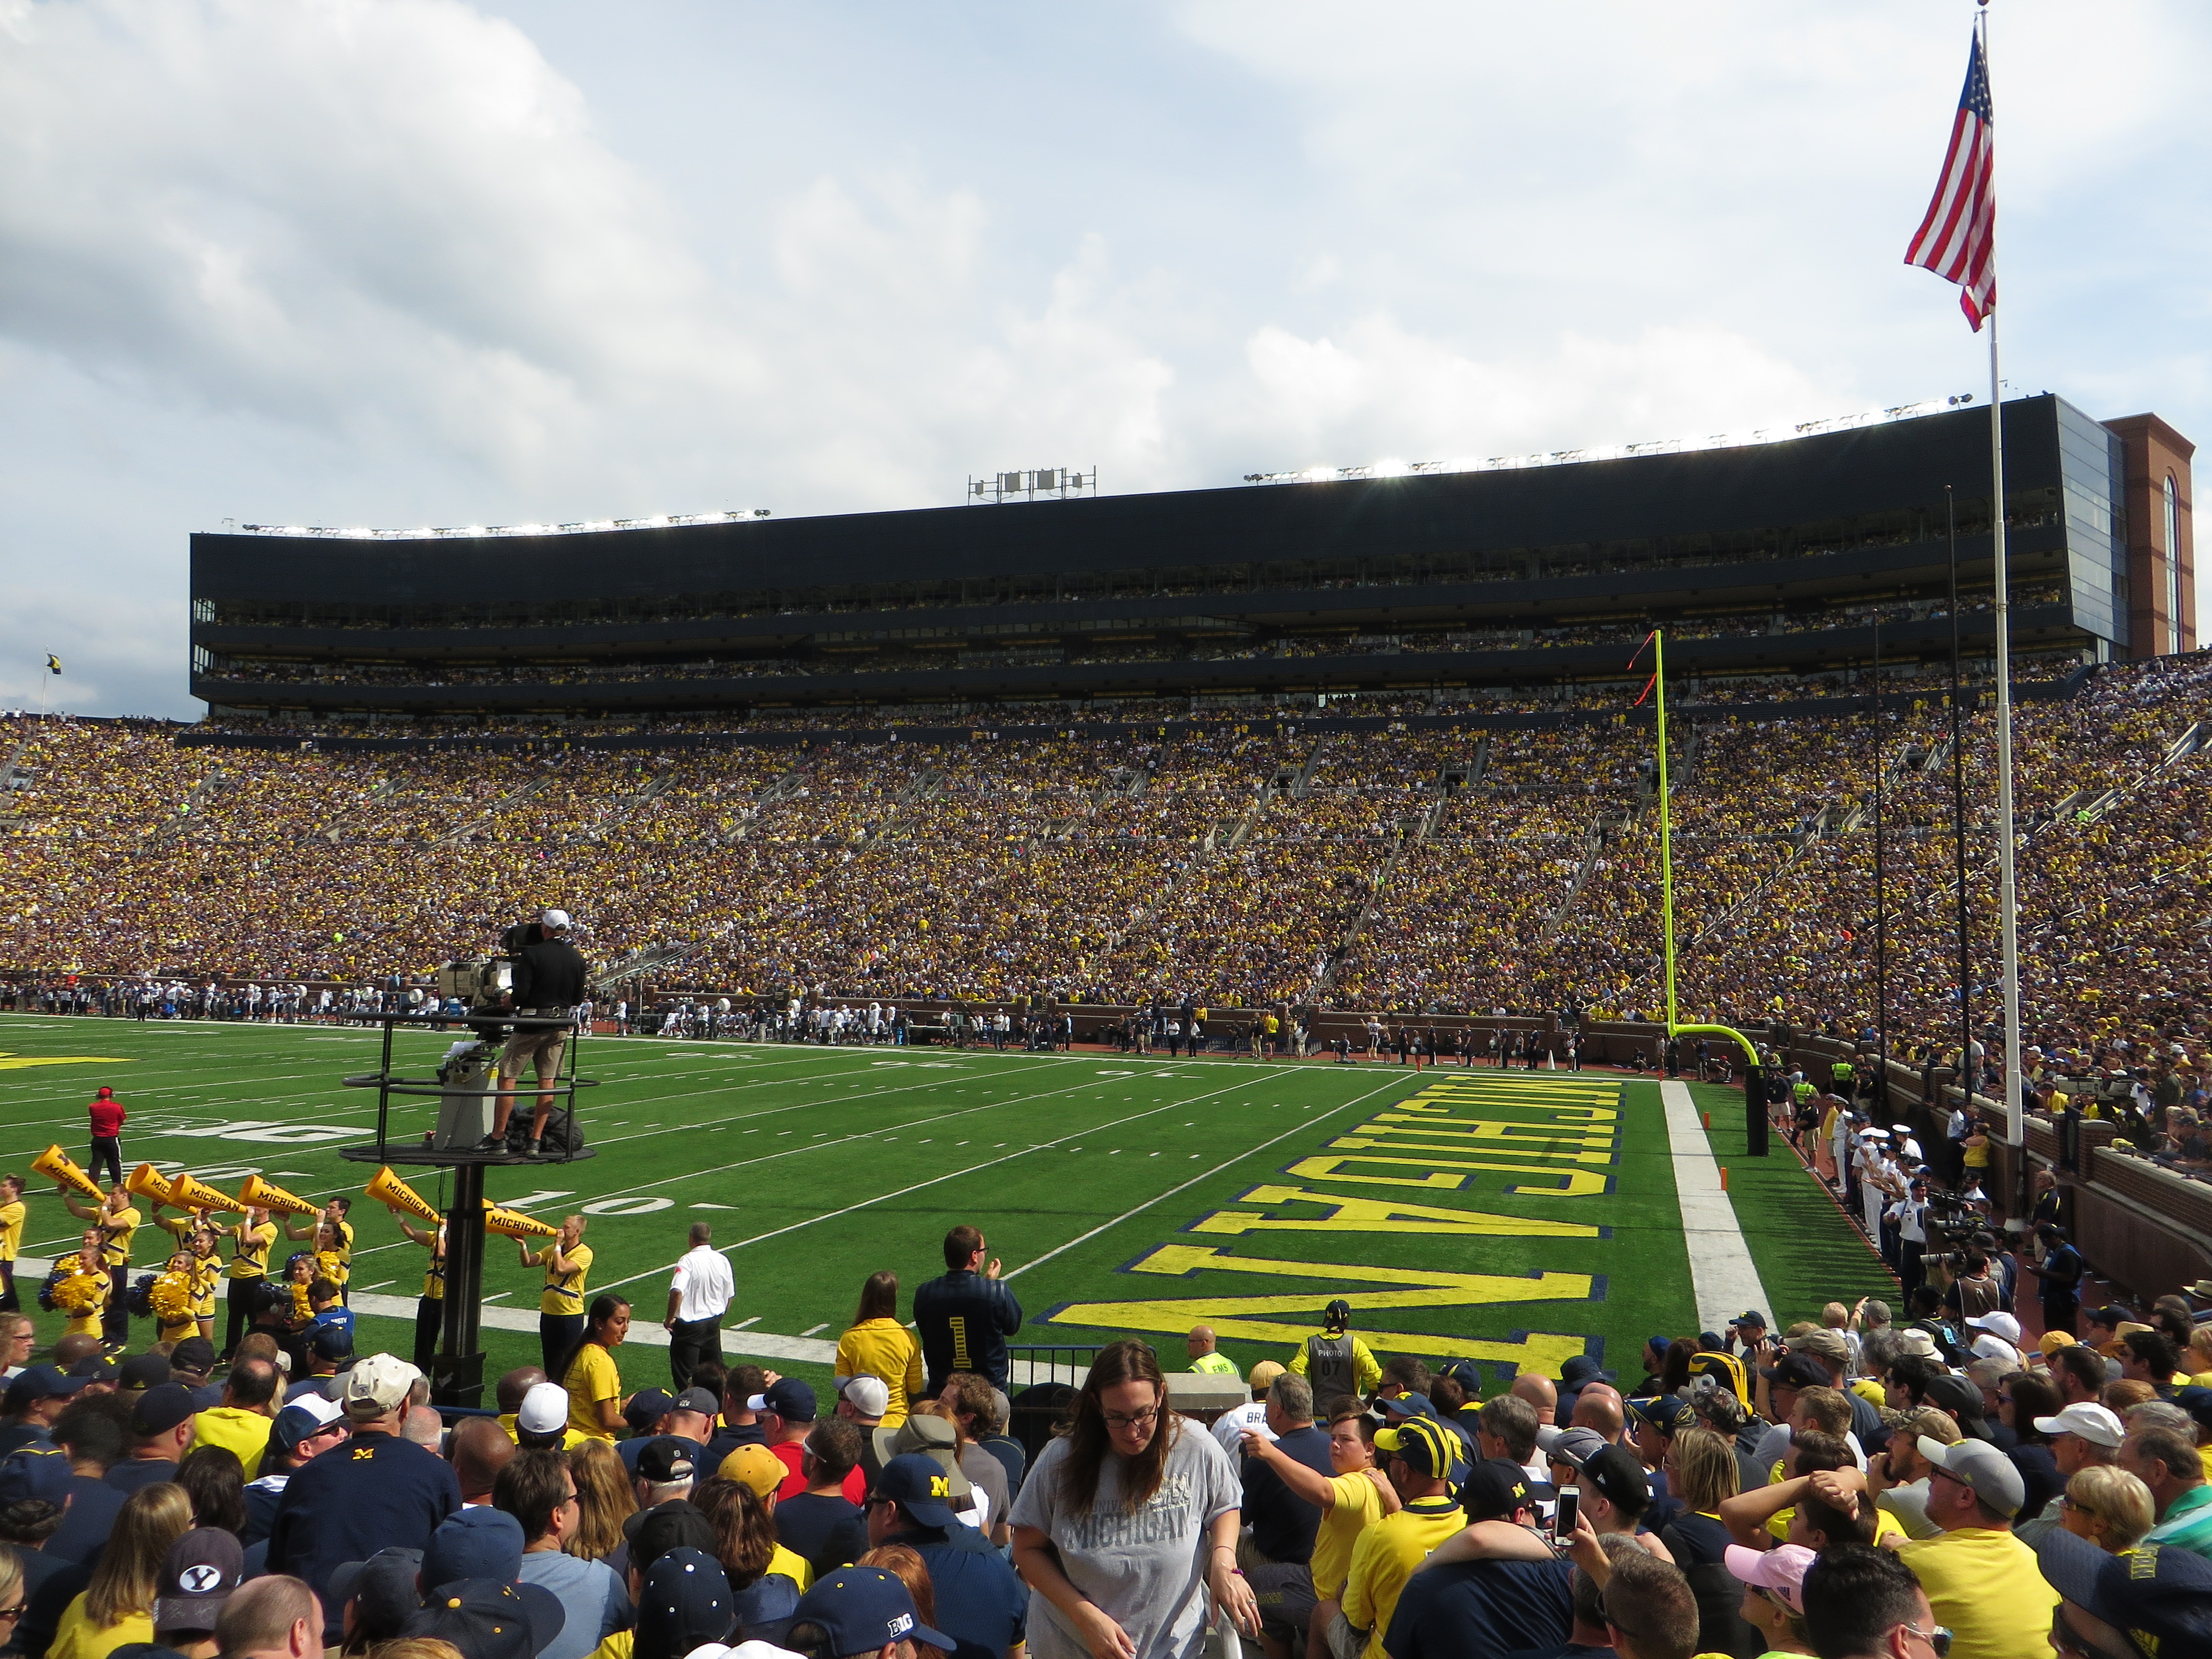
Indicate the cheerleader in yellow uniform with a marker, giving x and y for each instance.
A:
(171, 1298)
(198, 1237)
(82, 1286)
(207, 1274)
(338, 1240)
(430, 1308)
(333, 1255)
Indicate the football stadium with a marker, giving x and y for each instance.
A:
(655, 976)
(619, 1093)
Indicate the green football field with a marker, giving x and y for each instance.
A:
(1516, 1218)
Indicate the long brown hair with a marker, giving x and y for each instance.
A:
(745, 1531)
(878, 1300)
(151, 1519)
(604, 1499)
(1089, 1445)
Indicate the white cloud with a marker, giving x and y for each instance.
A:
(410, 261)
(1325, 398)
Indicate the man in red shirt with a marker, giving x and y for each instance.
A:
(787, 1413)
(107, 1114)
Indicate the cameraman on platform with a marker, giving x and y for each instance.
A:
(550, 980)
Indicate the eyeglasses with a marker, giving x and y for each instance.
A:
(1142, 1419)
(1607, 1617)
(1938, 1639)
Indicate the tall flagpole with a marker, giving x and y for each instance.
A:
(2009, 892)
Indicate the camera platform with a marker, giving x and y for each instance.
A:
(466, 1105)
(399, 1154)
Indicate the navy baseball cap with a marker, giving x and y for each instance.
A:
(668, 1459)
(488, 1619)
(918, 1484)
(331, 1342)
(684, 1603)
(1797, 1370)
(481, 1542)
(382, 1590)
(1581, 1370)
(858, 1609)
(198, 1576)
(1495, 1488)
(35, 1472)
(43, 1382)
(677, 1524)
(1466, 1373)
(2158, 1595)
(647, 1407)
(1402, 1407)
(788, 1398)
(1665, 1413)
(162, 1407)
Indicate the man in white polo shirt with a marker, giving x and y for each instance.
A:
(698, 1296)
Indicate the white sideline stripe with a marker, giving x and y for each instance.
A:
(1722, 1275)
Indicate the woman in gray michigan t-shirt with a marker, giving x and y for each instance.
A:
(1126, 1526)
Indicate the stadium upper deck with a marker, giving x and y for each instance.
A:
(1762, 559)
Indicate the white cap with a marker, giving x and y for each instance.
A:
(545, 1409)
(869, 1395)
(1999, 1323)
(2085, 1421)
(378, 1384)
(555, 919)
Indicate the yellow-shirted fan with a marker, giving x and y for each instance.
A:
(331, 1265)
(302, 1313)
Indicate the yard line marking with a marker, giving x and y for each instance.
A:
(1722, 1275)
(881, 1198)
(815, 1329)
(741, 1323)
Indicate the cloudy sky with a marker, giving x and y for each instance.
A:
(395, 262)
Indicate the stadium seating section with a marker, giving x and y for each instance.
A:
(1242, 859)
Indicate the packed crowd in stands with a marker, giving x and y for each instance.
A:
(1236, 863)
(1929, 1480)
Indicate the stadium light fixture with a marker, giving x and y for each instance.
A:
(587, 526)
(1773, 434)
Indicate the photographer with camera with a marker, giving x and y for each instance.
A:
(550, 980)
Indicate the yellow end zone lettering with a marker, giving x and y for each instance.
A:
(1565, 1183)
(1381, 1215)
(1540, 1350)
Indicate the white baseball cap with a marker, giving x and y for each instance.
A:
(869, 1395)
(378, 1384)
(545, 1409)
(555, 919)
(1999, 1324)
(2086, 1421)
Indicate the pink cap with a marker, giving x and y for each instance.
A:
(1781, 1569)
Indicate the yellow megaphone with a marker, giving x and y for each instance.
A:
(259, 1194)
(148, 1182)
(388, 1189)
(189, 1192)
(59, 1168)
(515, 1224)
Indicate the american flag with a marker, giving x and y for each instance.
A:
(1957, 238)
